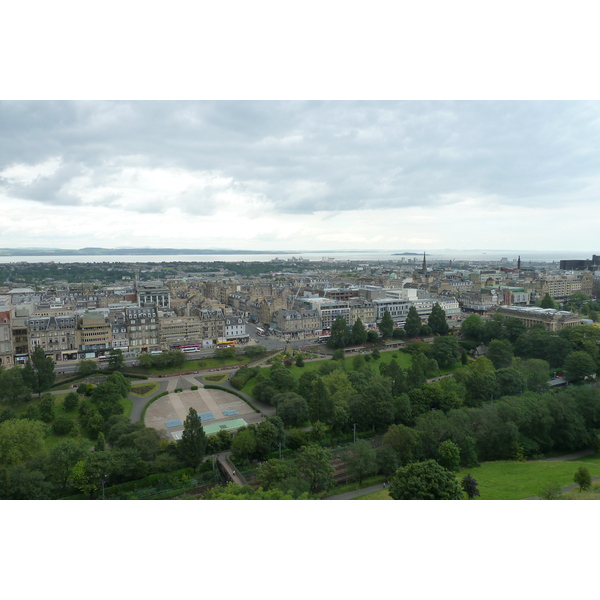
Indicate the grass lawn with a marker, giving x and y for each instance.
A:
(380, 495)
(214, 379)
(144, 389)
(506, 480)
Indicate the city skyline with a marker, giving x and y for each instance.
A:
(295, 176)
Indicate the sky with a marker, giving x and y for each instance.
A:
(300, 175)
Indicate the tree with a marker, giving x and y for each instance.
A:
(448, 455)
(426, 480)
(100, 443)
(358, 334)
(583, 478)
(291, 408)
(192, 444)
(71, 401)
(550, 491)
(469, 486)
(38, 372)
(386, 326)
(12, 386)
(61, 460)
(272, 472)
(437, 320)
(116, 360)
(20, 440)
(536, 373)
(86, 368)
(500, 352)
(340, 333)
(46, 408)
(243, 445)
(472, 328)
(372, 337)
(445, 351)
(314, 464)
(548, 302)
(511, 381)
(299, 361)
(413, 323)
(579, 365)
(361, 460)
(387, 460)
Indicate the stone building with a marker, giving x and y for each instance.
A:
(94, 334)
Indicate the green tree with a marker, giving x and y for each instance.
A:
(583, 478)
(386, 326)
(510, 381)
(340, 333)
(500, 352)
(100, 443)
(437, 320)
(372, 337)
(71, 401)
(578, 366)
(12, 386)
(38, 372)
(473, 327)
(469, 486)
(536, 373)
(274, 471)
(20, 440)
(448, 455)
(192, 444)
(314, 464)
(413, 323)
(387, 460)
(361, 460)
(243, 445)
(85, 368)
(116, 360)
(548, 302)
(291, 408)
(299, 361)
(46, 408)
(445, 351)
(61, 460)
(550, 491)
(426, 480)
(359, 333)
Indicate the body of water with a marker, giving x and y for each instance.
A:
(367, 255)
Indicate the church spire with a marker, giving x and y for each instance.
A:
(424, 264)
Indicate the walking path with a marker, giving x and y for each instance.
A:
(379, 487)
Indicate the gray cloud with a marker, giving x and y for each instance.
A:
(312, 156)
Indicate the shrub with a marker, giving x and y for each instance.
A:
(194, 387)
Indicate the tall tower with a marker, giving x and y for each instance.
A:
(519, 263)
(424, 264)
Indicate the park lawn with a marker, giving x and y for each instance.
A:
(380, 495)
(509, 480)
(216, 378)
(144, 389)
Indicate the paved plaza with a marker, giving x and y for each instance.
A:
(217, 407)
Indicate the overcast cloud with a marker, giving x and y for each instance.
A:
(300, 175)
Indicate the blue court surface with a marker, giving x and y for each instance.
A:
(207, 416)
(174, 423)
(229, 413)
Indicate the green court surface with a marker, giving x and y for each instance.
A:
(224, 426)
